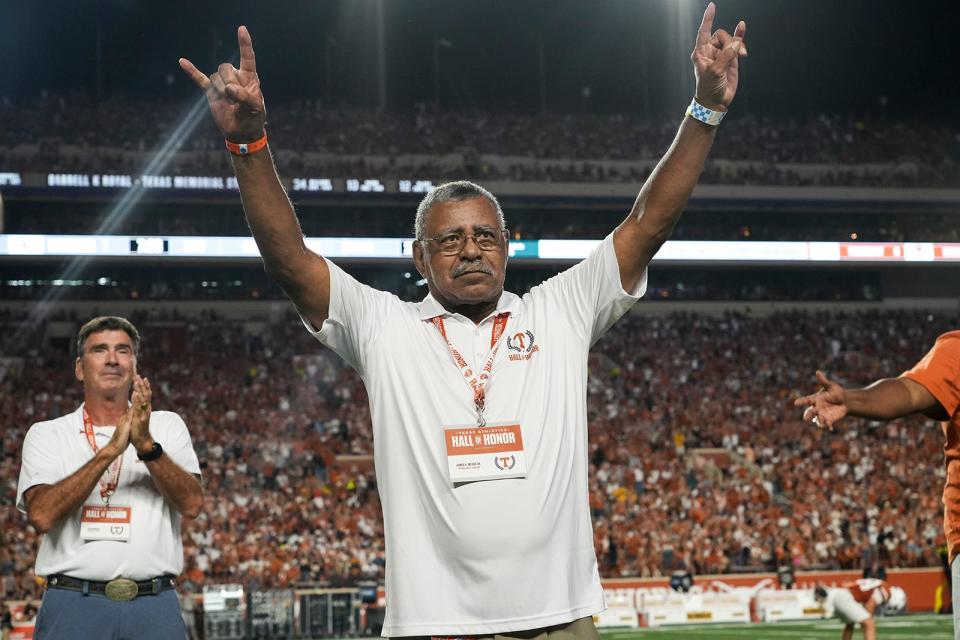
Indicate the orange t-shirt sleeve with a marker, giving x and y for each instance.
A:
(939, 371)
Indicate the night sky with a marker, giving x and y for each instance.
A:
(805, 56)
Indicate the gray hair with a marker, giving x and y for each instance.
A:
(108, 323)
(452, 192)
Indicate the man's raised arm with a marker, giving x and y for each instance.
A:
(664, 195)
(238, 110)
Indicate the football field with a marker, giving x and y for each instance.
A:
(918, 627)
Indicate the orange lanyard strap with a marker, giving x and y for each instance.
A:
(111, 478)
(477, 384)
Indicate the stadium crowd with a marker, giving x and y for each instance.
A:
(698, 459)
(238, 283)
(75, 133)
(700, 463)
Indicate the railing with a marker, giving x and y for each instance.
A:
(228, 612)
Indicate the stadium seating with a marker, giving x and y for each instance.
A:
(74, 133)
(698, 461)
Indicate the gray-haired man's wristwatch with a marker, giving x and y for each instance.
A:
(155, 452)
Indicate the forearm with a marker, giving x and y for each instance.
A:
(270, 214)
(48, 505)
(664, 195)
(662, 199)
(885, 399)
(178, 487)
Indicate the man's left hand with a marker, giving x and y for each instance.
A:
(140, 409)
(716, 62)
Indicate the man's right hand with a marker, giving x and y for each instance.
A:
(826, 407)
(234, 94)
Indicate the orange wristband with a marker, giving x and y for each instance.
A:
(247, 148)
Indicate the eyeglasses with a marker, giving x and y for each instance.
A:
(450, 244)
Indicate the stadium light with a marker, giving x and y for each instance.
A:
(119, 211)
(683, 20)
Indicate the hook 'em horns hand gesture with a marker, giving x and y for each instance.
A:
(234, 94)
(716, 62)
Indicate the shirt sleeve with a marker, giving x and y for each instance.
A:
(176, 442)
(354, 319)
(590, 293)
(40, 461)
(939, 371)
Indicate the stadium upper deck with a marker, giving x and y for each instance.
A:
(77, 135)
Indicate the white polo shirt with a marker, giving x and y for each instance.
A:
(54, 449)
(492, 556)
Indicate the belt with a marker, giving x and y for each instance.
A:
(119, 589)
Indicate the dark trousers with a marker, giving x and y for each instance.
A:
(582, 629)
(70, 615)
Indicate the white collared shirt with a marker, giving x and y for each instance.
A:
(54, 449)
(494, 556)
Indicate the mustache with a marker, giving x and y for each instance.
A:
(471, 267)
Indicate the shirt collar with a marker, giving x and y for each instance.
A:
(77, 417)
(429, 307)
(97, 429)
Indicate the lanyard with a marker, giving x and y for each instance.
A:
(477, 384)
(107, 486)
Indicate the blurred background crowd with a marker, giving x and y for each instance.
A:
(698, 460)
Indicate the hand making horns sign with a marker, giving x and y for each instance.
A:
(716, 62)
(234, 94)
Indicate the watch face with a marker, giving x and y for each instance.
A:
(153, 454)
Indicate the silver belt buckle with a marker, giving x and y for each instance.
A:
(121, 589)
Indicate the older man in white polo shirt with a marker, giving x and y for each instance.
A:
(107, 485)
(477, 396)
